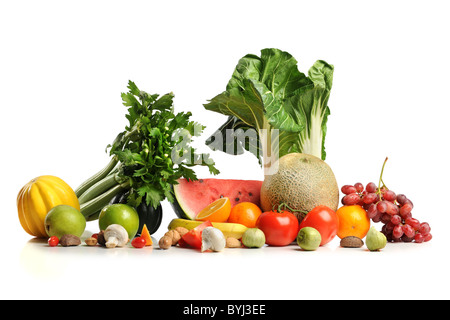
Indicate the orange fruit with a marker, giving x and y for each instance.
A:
(245, 213)
(217, 211)
(353, 221)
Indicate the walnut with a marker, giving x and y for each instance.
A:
(69, 240)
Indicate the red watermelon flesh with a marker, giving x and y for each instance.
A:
(192, 196)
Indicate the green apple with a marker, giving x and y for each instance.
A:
(64, 219)
(122, 214)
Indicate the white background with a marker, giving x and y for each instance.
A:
(63, 65)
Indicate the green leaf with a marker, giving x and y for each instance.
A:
(313, 103)
(133, 88)
(144, 149)
(129, 99)
(269, 92)
(235, 137)
(280, 117)
(195, 129)
(243, 103)
(140, 172)
(187, 173)
(151, 194)
(276, 69)
(165, 103)
(321, 74)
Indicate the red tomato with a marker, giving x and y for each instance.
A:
(53, 241)
(324, 220)
(183, 244)
(194, 236)
(280, 228)
(139, 242)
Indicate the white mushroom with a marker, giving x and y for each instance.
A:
(213, 239)
(116, 236)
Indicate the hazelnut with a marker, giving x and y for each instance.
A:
(91, 241)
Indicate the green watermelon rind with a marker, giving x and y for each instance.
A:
(178, 208)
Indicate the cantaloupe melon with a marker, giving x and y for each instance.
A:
(302, 182)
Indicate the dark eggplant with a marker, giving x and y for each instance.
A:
(147, 214)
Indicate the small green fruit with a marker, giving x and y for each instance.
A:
(64, 219)
(121, 214)
(253, 238)
(375, 240)
(309, 239)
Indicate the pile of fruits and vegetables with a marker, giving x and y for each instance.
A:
(280, 111)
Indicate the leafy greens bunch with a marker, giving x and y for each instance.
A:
(148, 157)
(267, 93)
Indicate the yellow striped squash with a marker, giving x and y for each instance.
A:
(38, 197)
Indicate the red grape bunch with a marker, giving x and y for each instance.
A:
(393, 210)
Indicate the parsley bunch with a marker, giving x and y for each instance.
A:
(148, 157)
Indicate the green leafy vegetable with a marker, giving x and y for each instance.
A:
(149, 156)
(270, 96)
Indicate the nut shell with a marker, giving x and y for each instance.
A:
(69, 240)
(91, 241)
(351, 242)
(233, 243)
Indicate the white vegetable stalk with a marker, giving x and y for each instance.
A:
(270, 142)
(311, 138)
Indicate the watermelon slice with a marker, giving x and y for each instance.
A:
(190, 197)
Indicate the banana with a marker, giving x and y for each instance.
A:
(234, 230)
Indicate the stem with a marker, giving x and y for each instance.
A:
(120, 141)
(93, 217)
(96, 177)
(92, 208)
(381, 179)
(285, 205)
(100, 187)
(299, 213)
(267, 134)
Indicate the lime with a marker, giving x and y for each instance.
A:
(309, 238)
(121, 214)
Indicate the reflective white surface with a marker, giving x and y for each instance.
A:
(401, 270)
